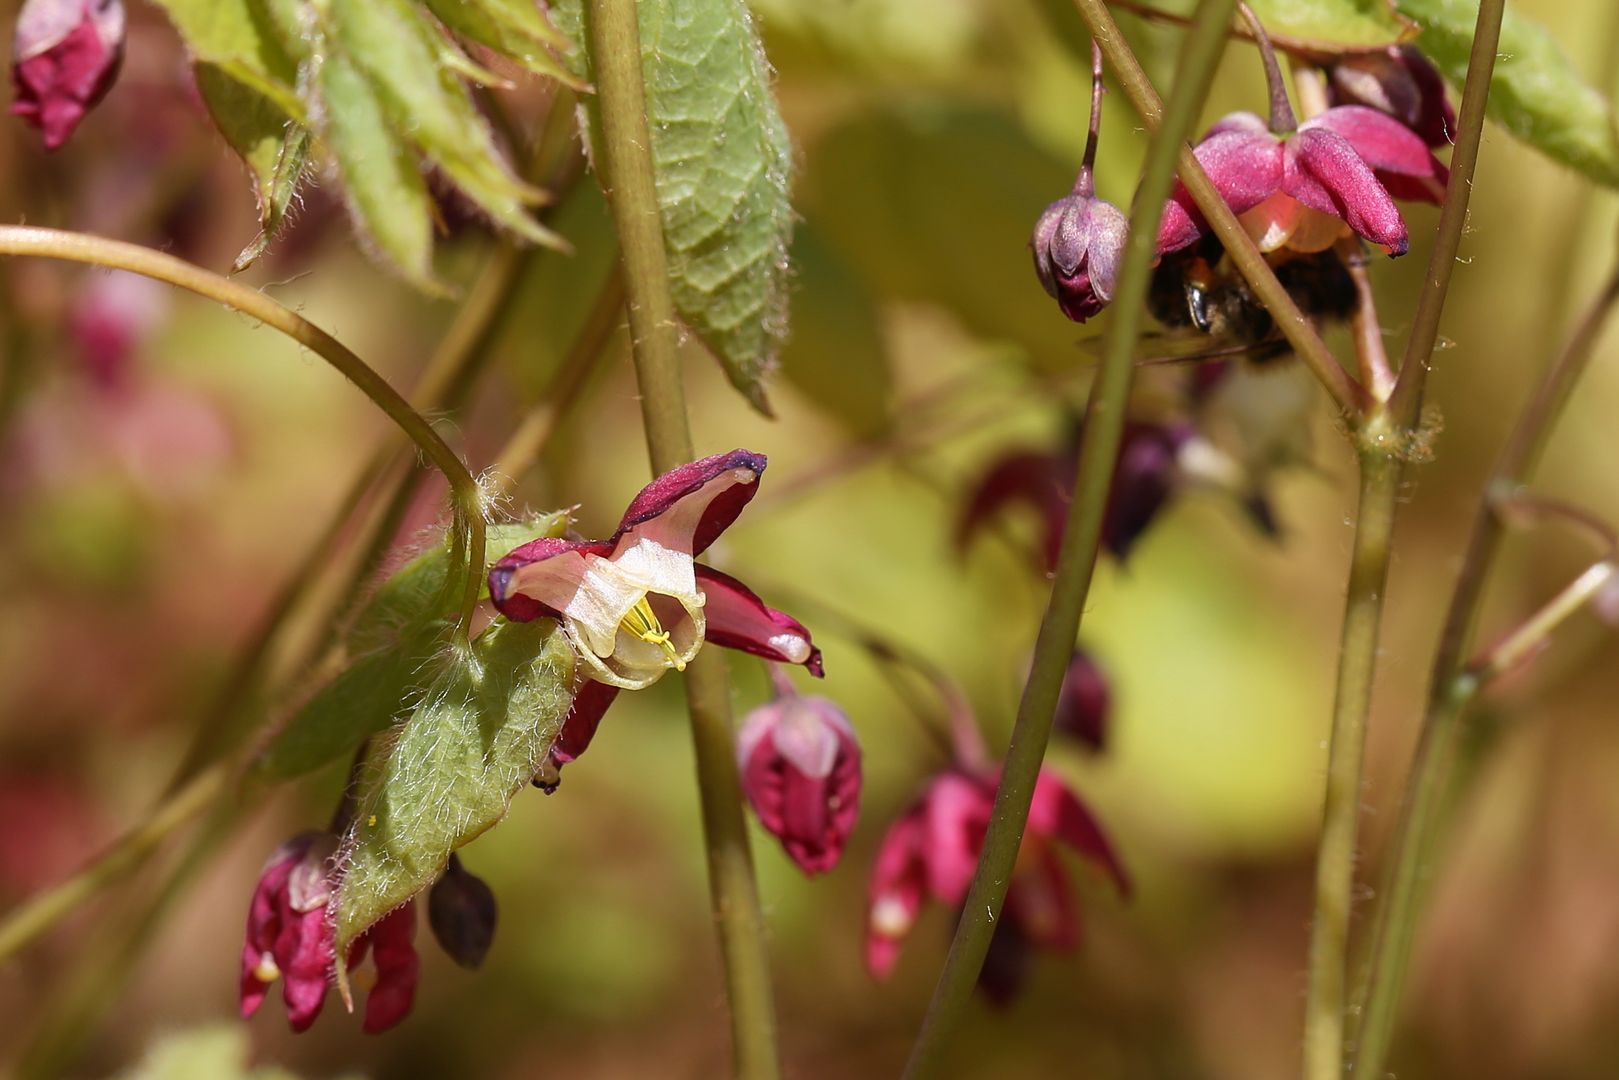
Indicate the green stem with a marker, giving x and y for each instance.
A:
(1406, 402)
(626, 157)
(1351, 398)
(1450, 688)
(26, 923)
(1104, 428)
(115, 254)
(1340, 816)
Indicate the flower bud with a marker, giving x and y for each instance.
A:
(1084, 702)
(800, 768)
(1077, 245)
(461, 910)
(1400, 82)
(64, 59)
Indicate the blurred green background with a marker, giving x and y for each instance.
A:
(143, 533)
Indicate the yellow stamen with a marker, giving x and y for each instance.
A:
(641, 622)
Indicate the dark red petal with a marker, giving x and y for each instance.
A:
(1057, 812)
(738, 619)
(699, 500)
(304, 951)
(590, 701)
(1033, 477)
(1325, 174)
(536, 580)
(801, 772)
(393, 951)
(1083, 704)
(958, 812)
(1245, 167)
(66, 56)
(1389, 147)
(1041, 902)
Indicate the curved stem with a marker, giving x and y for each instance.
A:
(1406, 402)
(1085, 182)
(626, 157)
(1350, 397)
(1282, 119)
(1450, 689)
(1103, 432)
(115, 254)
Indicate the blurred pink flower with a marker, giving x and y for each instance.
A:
(65, 57)
(800, 766)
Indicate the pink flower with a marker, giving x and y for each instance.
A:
(1338, 173)
(932, 850)
(1400, 82)
(1077, 245)
(800, 768)
(290, 937)
(64, 59)
(636, 604)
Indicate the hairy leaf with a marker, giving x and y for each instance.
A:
(513, 28)
(723, 164)
(1536, 93)
(1326, 23)
(237, 37)
(397, 640)
(476, 739)
(273, 146)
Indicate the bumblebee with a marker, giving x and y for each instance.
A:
(1198, 288)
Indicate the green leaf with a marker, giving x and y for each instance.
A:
(238, 37)
(1325, 23)
(513, 28)
(1536, 93)
(475, 741)
(723, 163)
(274, 148)
(398, 49)
(386, 195)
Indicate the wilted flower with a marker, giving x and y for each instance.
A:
(636, 604)
(1077, 244)
(64, 59)
(290, 937)
(800, 767)
(1401, 82)
(462, 912)
(1084, 703)
(933, 851)
(1143, 481)
(1305, 189)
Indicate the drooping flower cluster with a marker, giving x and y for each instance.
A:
(65, 57)
(637, 605)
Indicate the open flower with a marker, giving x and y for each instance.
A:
(933, 849)
(64, 59)
(636, 604)
(1339, 172)
(290, 937)
(800, 767)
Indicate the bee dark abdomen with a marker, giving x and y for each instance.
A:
(1320, 285)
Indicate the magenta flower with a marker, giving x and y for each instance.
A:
(290, 937)
(64, 59)
(1401, 82)
(636, 604)
(1338, 173)
(932, 851)
(800, 768)
(1077, 245)
(1143, 481)
(1084, 704)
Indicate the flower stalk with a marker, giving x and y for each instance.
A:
(1103, 433)
(626, 161)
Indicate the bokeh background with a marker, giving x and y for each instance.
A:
(150, 514)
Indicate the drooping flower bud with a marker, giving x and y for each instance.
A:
(1077, 244)
(462, 912)
(64, 59)
(1083, 705)
(1400, 82)
(800, 767)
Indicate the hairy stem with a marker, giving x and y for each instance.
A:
(117, 255)
(1351, 398)
(1104, 428)
(1450, 688)
(628, 171)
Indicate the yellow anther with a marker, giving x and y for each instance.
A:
(641, 622)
